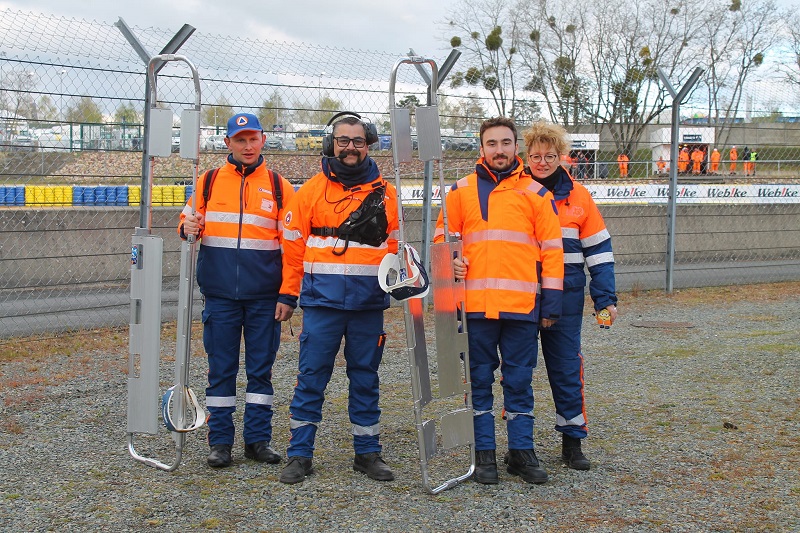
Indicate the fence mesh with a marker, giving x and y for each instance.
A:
(72, 96)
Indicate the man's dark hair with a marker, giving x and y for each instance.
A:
(349, 120)
(498, 121)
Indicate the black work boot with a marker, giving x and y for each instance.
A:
(485, 467)
(373, 466)
(220, 456)
(261, 452)
(571, 453)
(296, 470)
(523, 463)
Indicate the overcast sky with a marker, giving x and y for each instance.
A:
(381, 25)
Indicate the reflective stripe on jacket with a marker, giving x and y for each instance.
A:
(586, 241)
(240, 246)
(347, 281)
(512, 239)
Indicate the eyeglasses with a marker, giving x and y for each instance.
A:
(358, 142)
(548, 158)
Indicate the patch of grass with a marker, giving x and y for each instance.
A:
(761, 333)
(765, 292)
(780, 348)
(39, 347)
(211, 523)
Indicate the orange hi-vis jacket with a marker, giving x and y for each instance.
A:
(240, 245)
(348, 281)
(697, 157)
(512, 238)
(683, 160)
(715, 159)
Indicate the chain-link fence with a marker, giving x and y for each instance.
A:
(72, 96)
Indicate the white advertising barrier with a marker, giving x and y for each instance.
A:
(658, 194)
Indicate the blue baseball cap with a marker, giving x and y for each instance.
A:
(243, 122)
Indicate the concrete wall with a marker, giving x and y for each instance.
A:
(73, 247)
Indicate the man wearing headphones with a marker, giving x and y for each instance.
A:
(337, 229)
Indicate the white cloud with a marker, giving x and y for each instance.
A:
(356, 24)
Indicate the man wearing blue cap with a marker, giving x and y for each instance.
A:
(239, 213)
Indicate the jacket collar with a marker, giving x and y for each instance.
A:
(242, 170)
(563, 185)
(484, 172)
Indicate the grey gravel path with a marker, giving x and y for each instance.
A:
(691, 429)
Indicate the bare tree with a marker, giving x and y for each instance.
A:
(792, 69)
(17, 94)
(735, 43)
(487, 35)
(624, 51)
(551, 54)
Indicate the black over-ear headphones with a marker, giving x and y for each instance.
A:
(370, 131)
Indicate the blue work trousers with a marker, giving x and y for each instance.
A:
(561, 349)
(224, 321)
(516, 340)
(323, 331)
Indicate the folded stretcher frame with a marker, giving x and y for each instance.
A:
(443, 423)
(179, 409)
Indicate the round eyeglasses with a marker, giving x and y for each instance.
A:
(547, 158)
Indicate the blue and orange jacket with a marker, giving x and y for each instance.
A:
(348, 281)
(240, 245)
(586, 241)
(511, 236)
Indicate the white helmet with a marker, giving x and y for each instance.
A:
(402, 274)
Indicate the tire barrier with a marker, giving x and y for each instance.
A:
(96, 195)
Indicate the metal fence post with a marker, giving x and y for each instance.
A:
(677, 100)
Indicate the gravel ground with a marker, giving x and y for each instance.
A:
(691, 429)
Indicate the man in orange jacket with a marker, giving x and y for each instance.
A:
(683, 160)
(697, 159)
(661, 166)
(733, 155)
(513, 267)
(238, 218)
(337, 229)
(622, 161)
(715, 158)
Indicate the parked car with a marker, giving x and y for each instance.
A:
(289, 144)
(24, 143)
(276, 142)
(384, 142)
(465, 141)
(310, 139)
(214, 143)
